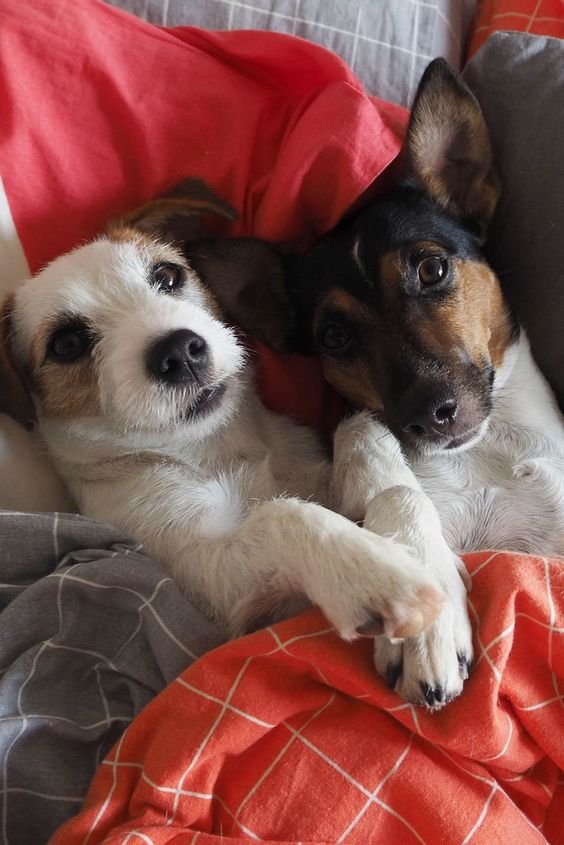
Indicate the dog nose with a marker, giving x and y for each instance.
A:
(433, 416)
(178, 358)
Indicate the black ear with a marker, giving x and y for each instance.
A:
(448, 150)
(247, 278)
(177, 214)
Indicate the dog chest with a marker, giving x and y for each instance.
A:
(506, 492)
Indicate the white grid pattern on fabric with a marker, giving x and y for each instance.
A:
(201, 748)
(392, 770)
(505, 745)
(169, 790)
(537, 20)
(550, 627)
(533, 16)
(483, 649)
(296, 734)
(280, 755)
(354, 782)
(481, 817)
(142, 836)
(144, 602)
(13, 743)
(104, 807)
(295, 19)
(254, 719)
(178, 790)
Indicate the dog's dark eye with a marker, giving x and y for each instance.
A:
(168, 278)
(334, 338)
(69, 344)
(432, 270)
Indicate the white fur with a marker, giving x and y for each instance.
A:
(234, 502)
(505, 491)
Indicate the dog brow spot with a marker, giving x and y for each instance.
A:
(359, 264)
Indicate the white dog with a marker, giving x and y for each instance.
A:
(145, 399)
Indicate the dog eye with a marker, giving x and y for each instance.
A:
(168, 278)
(335, 338)
(432, 270)
(69, 344)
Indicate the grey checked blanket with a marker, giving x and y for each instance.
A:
(87, 639)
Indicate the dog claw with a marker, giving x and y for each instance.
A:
(464, 666)
(434, 696)
(428, 693)
(393, 671)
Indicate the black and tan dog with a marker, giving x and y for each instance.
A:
(463, 435)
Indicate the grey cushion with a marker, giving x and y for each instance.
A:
(519, 81)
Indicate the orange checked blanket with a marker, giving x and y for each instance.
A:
(288, 736)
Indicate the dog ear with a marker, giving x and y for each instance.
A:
(177, 214)
(14, 396)
(247, 278)
(448, 150)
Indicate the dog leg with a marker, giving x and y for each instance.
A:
(283, 547)
(373, 482)
(270, 551)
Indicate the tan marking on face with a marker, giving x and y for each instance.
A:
(124, 233)
(392, 269)
(475, 318)
(499, 324)
(68, 391)
(65, 391)
(340, 300)
(351, 378)
(467, 319)
(354, 382)
(38, 347)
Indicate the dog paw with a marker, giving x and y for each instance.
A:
(429, 669)
(381, 590)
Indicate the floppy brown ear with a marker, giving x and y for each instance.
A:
(14, 396)
(448, 150)
(247, 278)
(176, 215)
